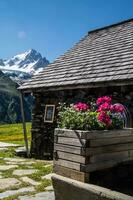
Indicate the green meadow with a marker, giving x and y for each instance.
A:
(13, 133)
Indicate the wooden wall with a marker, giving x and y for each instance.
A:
(43, 133)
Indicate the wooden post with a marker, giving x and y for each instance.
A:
(24, 123)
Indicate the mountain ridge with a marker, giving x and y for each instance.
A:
(24, 65)
(13, 72)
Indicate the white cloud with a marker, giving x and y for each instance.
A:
(21, 34)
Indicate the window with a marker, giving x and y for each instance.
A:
(49, 113)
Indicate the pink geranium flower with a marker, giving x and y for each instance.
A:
(104, 118)
(81, 106)
(104, 107)
(117, 108)
(104, 99)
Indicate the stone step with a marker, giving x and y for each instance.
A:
(21, 151)
(48, 176)
(4, 144)
(7, 167)
(13, 192)
(23, 172)
(49, 188)
(8, 182)
(29, 180)
(39, 196)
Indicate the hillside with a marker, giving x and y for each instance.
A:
(13, 72)
(10, 103)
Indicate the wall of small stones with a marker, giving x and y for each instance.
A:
(42, 132)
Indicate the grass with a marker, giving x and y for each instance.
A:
(10, 153)
(13, 133)
(41, 187)
(42, 171)
(16, 196)
(15, 187)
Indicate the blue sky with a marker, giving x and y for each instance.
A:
(53, 26)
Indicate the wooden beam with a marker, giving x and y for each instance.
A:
(24, 123)
(41, 88)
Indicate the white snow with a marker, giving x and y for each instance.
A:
(27, 68)
(22, 66)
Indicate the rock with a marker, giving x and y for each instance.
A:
(3, 149)
(39, 196)
(49, 188)
(48, 165)
(7, 167)
(22, 172)
(21, 151)
(4, 144)
(8, 182)
(1, 175)
(15, 160)
(48, 176)
(29, 180)
(20, 163)
(27, 163)
(13, 192)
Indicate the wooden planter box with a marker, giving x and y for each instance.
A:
(78, 153)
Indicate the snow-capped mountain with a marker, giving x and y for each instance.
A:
(24, 65)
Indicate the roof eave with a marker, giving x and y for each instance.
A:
(78, 86)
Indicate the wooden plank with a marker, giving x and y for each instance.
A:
(70, 141)
(72, 157)
(103, 165)
(115, 156)
(70, 173)
(69, 149)
(68, 164)
(109, 141)
(24, 124)
(131, 153)
(109, 148)
(94, 134)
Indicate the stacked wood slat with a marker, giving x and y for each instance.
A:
(78, 153)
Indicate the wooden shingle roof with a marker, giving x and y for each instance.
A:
(104, 55)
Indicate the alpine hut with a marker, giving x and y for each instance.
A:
(101, 63)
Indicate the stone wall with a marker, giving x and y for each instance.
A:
(69, 189)
(42, 133)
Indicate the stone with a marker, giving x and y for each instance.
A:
(3, 149)
(8, 182)
(1, 175)
(23, 172)
(4, 144)
(21, 151)
(27, 163)
(29, 180)
(19, 163)
(49, 188)
(15, 159)
(13, 192)
(39, 196)
(7, 167)
(47, 165)
(48, 176)
(10, 163)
